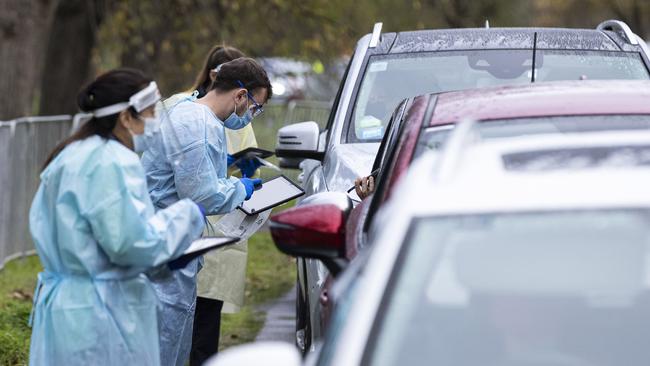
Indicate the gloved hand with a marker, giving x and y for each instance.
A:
(230, 159)
(248, 167)
(250, 185)
(201, 209)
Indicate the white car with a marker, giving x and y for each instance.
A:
(517, 251)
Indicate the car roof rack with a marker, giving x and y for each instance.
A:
(619, 27)
(376, 35)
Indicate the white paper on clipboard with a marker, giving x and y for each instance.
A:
(207, 243)
(273, 193)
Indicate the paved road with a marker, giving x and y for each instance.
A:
(280, 319)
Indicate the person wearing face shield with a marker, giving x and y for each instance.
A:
(193, 164)
(96, 233)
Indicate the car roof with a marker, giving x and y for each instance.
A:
(562, 98)
(480, 182)
(501, 38)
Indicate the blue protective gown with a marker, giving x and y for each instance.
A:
(96, 232)
(189, 161)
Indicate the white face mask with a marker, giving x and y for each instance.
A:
(141, 142)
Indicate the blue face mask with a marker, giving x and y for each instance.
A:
(235, 122)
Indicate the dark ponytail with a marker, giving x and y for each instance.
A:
(246, 70)
(218, 55)
(113, 87)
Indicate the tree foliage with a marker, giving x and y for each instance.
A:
(168, 39)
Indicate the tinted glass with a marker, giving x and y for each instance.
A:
(434, 137)
(545, 288)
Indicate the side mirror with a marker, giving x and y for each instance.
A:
(315, 229)
(297, 142)
(261, 353)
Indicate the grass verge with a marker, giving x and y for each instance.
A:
(269, 275)
(17, 282)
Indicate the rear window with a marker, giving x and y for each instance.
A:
(561, 159)
(434, 138)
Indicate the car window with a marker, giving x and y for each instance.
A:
(572, 159)
(535, 288)
(389, 79)
(335, 105)
(388, 140)
(572, 65)
(384, 168)
(433, 138)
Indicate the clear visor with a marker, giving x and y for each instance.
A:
(145, 98)
(140, 101)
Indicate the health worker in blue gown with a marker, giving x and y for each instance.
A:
(96, 233)
(190, 160)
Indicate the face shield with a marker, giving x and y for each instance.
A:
(140, 101)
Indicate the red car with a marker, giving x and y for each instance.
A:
(327, 228)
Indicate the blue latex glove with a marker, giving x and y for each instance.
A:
(250, 185)
(230, 160)
(201, 209)
(248, 167)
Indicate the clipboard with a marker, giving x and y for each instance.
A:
(199, 247)
(272, 193)
(252, 153)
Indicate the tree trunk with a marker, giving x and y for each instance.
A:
(68, 56)
(23, 26)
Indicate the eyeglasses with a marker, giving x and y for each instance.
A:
(257, 108)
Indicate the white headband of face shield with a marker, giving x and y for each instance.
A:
(139, 101)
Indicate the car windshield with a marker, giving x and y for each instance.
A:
(390, 79)
(563, 288)
(433, 138)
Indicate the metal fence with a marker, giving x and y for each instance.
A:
(26, 142)
(24, 146)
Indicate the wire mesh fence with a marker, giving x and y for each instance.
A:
(24, 146)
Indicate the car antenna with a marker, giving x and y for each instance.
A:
(532, 76)
(487, 24)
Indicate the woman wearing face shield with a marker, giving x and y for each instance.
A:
(96, 233)
(193, 164)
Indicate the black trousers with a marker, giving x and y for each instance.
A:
(207, 326)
